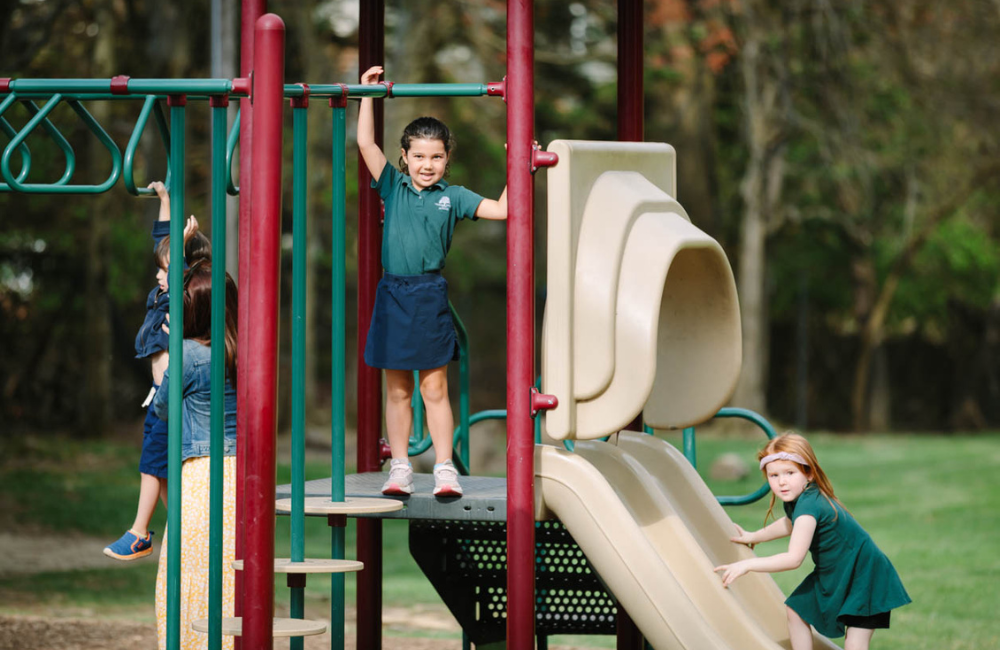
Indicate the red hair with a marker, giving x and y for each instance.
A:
(793, 443)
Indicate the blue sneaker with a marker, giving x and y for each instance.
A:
(129, 547)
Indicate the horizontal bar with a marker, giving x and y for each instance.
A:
(135, 86)
(100, 89)
(417, 90)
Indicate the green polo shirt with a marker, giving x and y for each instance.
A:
(419, 225)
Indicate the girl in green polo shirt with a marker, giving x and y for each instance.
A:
(853, 586)
(411, 327)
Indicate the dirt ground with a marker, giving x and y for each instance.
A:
(76, 629)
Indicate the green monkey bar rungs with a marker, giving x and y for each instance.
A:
(53, 132)
(151, 105)
(39, 188)
(12, 132)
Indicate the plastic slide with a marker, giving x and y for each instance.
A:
(654, 533)
(641, 311)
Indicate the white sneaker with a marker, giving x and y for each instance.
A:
(400, 481)
(446, 480)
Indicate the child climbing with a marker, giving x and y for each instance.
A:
(151, 343)
(196, 403)
(853, 586)
(411, 327)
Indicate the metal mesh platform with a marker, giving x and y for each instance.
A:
(485, 497)
(460, 543)
(466, 561)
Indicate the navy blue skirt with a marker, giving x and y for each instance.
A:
(411, 326)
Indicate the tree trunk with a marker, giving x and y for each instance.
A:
(762, 73)
(96, 348)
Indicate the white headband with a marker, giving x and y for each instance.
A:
(782, 455)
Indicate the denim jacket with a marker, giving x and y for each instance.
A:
(196, 407)
(151, 337)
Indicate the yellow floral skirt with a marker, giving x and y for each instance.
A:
(194, 554)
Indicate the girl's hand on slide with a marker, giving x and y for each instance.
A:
(742, 536)
(370, 77)
(731, 572)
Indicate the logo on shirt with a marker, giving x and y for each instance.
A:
(444, 203)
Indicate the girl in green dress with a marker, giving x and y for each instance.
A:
(853, 586)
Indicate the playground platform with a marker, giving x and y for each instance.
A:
(485, 497)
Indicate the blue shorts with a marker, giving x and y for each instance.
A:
(411, 326)
(153, 460)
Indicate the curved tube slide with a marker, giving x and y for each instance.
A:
(641, 309)
(654, 532)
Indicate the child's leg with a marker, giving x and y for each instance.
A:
(150, 490)
(398, 411)
(798, 631)
(858, 638)
(434, 390)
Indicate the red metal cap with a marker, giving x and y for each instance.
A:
(177, 100)
(388, 88)
(119, 85)
(5, 85)
(542, 402)
(341, 101)
(218, 101)
(241, 86)
(303, 101)
(541, 158)
(497, 89)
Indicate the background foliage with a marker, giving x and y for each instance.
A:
(858, 138)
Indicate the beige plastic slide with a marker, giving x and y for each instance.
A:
(654, 532)
(641, 310)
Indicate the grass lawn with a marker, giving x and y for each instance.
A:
(930, 502)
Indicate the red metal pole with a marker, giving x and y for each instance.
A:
(630, 67)
(262, 373)
(369, 531)
(251, 11)
(630, 129)
(520, 327)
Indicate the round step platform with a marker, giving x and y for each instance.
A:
(283, 627)
(350, 506)
(309, 565)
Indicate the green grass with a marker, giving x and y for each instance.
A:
(930, 502)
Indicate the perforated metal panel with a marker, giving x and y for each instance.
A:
(466, 561)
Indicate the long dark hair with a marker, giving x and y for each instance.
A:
(198, 311)
(426, 128)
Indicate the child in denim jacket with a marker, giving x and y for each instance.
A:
(151, 343)
(196, 394)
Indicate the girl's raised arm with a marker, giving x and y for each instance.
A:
(164, 196)
(490, 209)
(370, 152)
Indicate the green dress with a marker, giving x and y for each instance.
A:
(852, 577)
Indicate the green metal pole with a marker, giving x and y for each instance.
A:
(300, 130)
(175, 278)
(462, 445)
(689, 451)
(338, 272)
(417, 402)
(218, 371)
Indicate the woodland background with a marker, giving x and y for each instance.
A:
(845, 154)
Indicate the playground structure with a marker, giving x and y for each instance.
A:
(642, 317)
